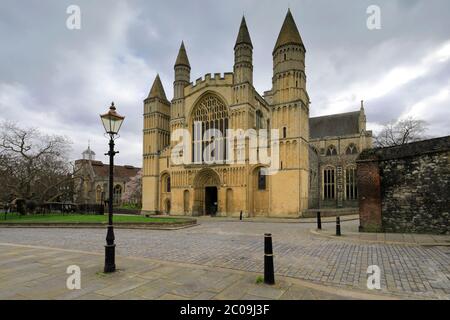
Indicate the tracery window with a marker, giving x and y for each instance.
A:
(331, 151)
(209, 113)
(351, 149)
(351, 191)
(329, 184)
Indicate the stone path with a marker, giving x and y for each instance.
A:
(386, 238)
(30, 272)
(406, 270)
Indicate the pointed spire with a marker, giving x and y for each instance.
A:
(157, 90)
(243, 35)
(289, 33)
(182, 58)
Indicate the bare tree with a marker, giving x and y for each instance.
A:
(133, 190)
(401, 132)
(33, 164)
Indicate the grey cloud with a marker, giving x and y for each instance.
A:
(60, 80)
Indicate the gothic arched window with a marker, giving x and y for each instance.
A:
(209, 113)
(331, 151)
(98, 194)
(351, 149)
(117, 194)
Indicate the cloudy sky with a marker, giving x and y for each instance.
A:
(60, 80)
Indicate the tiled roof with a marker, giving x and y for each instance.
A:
(334, 125)
(102, 170)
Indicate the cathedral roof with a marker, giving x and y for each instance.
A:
(157, 90)
(182, 58)
(289, 33)
(243, 35)
(334, 125)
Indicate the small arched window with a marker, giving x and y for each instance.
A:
(331, 151)
(168, 184)
(98, 194)
(262, 182)
(351, 149)
(284, 132)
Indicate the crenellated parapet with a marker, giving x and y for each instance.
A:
(209, 80)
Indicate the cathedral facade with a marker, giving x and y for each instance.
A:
(314, 159)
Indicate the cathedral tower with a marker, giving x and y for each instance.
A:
(243, 56)
(290, 115)
(156, 138)
(182, 78)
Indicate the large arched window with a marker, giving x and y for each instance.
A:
(351, 149)
(329, 183)
(331, 151)
(351, 191)
(209, 113)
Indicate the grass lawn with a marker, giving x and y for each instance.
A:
(85, 218)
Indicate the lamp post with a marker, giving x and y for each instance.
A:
(112, 122)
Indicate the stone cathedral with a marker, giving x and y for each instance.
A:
(317, 156)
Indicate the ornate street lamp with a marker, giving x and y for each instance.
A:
(112, 122)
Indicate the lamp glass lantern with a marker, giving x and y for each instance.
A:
(112, 121)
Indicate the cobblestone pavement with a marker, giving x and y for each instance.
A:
(406, 270)
(31, 272)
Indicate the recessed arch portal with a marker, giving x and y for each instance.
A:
(206, 192)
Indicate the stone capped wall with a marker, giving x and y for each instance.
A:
(414, 191)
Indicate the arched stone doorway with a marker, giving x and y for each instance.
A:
(206, 192)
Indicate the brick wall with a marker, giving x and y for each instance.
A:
(406, 188)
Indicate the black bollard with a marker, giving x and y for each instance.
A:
(240, 216)
(269, 277)
(319, 221)
(338, 226)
